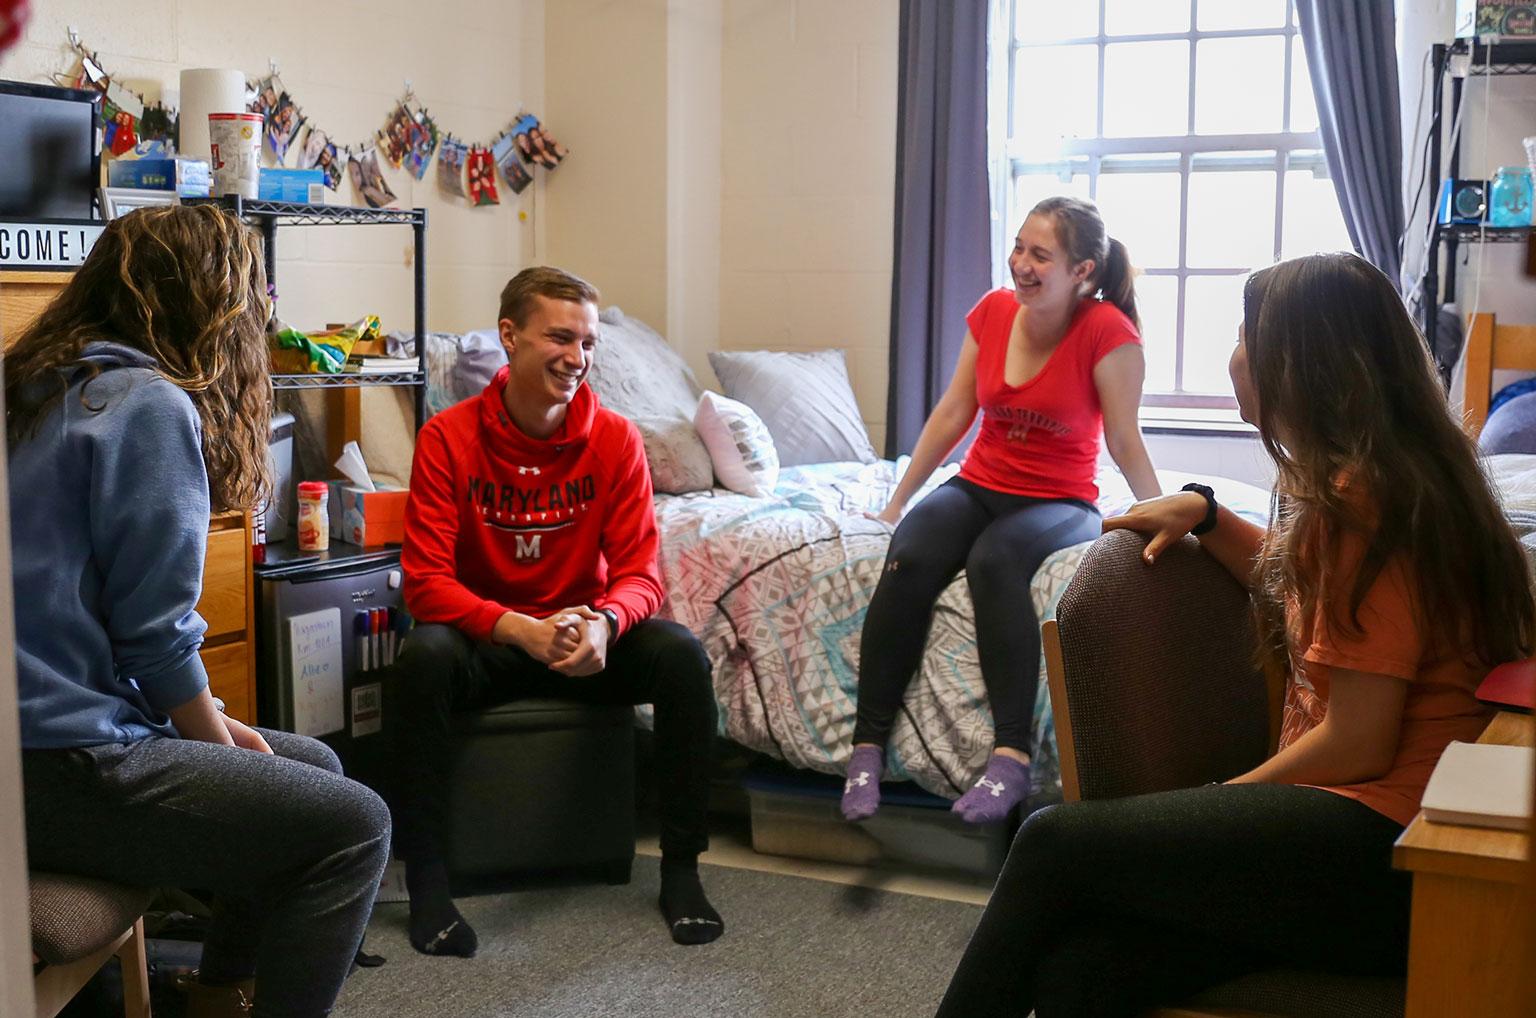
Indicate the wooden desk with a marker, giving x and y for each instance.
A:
(1465, 950)
(23, 295)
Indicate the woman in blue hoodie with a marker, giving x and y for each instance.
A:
(136, 404)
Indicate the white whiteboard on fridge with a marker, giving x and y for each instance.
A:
(314, 669)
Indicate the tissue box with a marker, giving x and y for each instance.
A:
(280, 184)
(367, 517)
(189, 178)
(1508, 19)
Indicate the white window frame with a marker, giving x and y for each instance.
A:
(1283, 150)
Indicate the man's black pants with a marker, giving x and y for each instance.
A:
(441, 671)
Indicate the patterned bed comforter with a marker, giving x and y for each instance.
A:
(776, 588)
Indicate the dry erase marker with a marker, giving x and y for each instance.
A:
(374, 623)
(360, 640)
(381, 624)
(389, 636)
(402, 626)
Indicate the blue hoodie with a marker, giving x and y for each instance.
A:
(109, 524)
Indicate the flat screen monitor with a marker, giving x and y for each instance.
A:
(48, 142)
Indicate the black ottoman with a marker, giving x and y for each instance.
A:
(544, 784)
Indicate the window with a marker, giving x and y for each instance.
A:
(1191, 123)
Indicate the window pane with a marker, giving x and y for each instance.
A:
(1055, 96)
(1216, 15)
(1029, 188)
(1044, 20)
(1142, 210)
(1157, 301)
(1239, 85)
(1143, 17)
(1146, 89)
(1213, 309)
(1303, 102)
(1231, 219)
(1313, 221)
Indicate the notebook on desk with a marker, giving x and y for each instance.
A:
(1481, 784)
(1511, 685)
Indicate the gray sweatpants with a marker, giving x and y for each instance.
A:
(291, 850)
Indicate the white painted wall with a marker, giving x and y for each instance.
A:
(1240, 458)
(606, 77)
(471, 63)
(808, 198)
(695, 124)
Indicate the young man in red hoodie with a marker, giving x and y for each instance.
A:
(530, 568)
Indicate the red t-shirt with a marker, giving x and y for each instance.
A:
(1041, 439)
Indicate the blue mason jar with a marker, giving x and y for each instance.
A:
(1509, 203)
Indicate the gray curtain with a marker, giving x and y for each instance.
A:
(1353, 60)
(943, 209)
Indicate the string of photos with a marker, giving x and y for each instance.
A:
(409, 139)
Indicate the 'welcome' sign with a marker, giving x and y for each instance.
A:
(41, 244)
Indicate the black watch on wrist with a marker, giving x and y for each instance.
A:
(1208, 524)
(613, 622)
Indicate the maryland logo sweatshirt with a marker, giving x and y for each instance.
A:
(499, 521)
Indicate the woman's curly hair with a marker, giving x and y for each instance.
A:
(187, 286)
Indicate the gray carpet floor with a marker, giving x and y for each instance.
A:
(793, 947)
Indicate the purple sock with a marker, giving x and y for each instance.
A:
(1005, 784)
(861, 792)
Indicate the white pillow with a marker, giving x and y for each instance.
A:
(804, 398)
(739, 445)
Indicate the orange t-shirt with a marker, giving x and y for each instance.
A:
(1441, 704)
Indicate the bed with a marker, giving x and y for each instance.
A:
(776, 586)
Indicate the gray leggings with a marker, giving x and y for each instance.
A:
(291, 850)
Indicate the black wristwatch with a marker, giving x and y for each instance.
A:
(613, 622)
(1208, 524)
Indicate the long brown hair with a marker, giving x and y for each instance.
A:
(1080, 229)
(1347, 393)
(185, 285)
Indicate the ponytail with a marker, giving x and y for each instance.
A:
(1080, 229)
(1117, 281)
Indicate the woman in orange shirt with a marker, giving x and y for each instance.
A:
(1390, 583)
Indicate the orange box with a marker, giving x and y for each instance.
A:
(367, 518)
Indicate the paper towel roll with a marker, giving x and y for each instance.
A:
(206, 90)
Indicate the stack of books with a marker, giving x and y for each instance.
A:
(380, 365)
(1482, 785)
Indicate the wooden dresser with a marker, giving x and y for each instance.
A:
(228, 604)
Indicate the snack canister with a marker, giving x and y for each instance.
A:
(235, 150)
(314, 519)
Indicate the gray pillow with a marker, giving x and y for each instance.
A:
(635, 373)
(459, 366)
(804, 398)
(1511, 428)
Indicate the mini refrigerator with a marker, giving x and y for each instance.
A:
(328, 624)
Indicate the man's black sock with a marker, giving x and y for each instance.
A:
(690, 917)
(436, 926)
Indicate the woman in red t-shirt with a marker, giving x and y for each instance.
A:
(1052, 364)
(1390, 583)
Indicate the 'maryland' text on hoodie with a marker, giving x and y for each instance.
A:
(499, 521)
